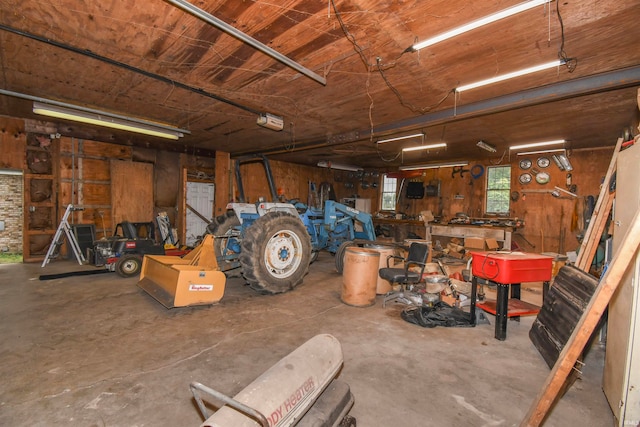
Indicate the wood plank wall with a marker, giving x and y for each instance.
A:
(85, 180)
(543, 215)
(293, 181)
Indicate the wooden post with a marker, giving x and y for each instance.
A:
(222, 179)
(585, 327)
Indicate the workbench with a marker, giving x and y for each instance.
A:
(507, 270)
(501, 234)
(401, 227)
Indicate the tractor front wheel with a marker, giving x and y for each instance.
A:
(339, 257)
(224, 229)
(276, 252)
(129, 265)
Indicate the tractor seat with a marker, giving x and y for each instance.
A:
(129, 230)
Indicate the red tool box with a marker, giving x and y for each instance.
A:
(511, 267)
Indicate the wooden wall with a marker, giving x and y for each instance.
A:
(544, 216)
(13, 141)
(84, 179)
(293, 181)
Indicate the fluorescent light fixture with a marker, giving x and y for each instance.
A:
(537, 144)
(110, 120)
(339, 166)
(486, 146)
(478, 23)
(415, 135)
(562, 161)
(425, 147)
(433, 166)
(496, 79)
(526, 153)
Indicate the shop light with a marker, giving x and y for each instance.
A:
(339, 166)
(527, 153)
(432, 166)
(486, 146)
(399, 138)
(110, 120)
(537, 144)
(425, 147)
(514, 74)
(489, 19)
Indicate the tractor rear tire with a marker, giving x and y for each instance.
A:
(129, 265)
(221, 226)
(276, 252)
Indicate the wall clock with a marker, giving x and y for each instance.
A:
(542, 178)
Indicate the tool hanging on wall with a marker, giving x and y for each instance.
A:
(458, 170)
(64, 227)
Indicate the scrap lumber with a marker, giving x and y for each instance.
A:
(599, 217)
(562, 374)
(585, 327)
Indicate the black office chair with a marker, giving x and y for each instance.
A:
(417, 256)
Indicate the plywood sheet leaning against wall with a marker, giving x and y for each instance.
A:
(131, 191)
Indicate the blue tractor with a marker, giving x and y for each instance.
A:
(271, 244)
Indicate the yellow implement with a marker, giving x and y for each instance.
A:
(194, 279)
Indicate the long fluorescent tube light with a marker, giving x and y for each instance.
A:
(425, 147)
(527, 153)
(415, 135)
(114, 121)
(339, 166)
(496, 79)
(537, 144)
(478, 23)
(432, 166)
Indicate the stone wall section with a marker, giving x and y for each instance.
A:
(11, 213)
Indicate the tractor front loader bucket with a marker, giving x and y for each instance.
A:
(194, 279)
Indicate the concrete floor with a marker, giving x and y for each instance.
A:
(98, 351)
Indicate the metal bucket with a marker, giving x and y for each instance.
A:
(382, 285)
(360, 276)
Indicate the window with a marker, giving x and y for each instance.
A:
(389, 186)
(498, 189)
